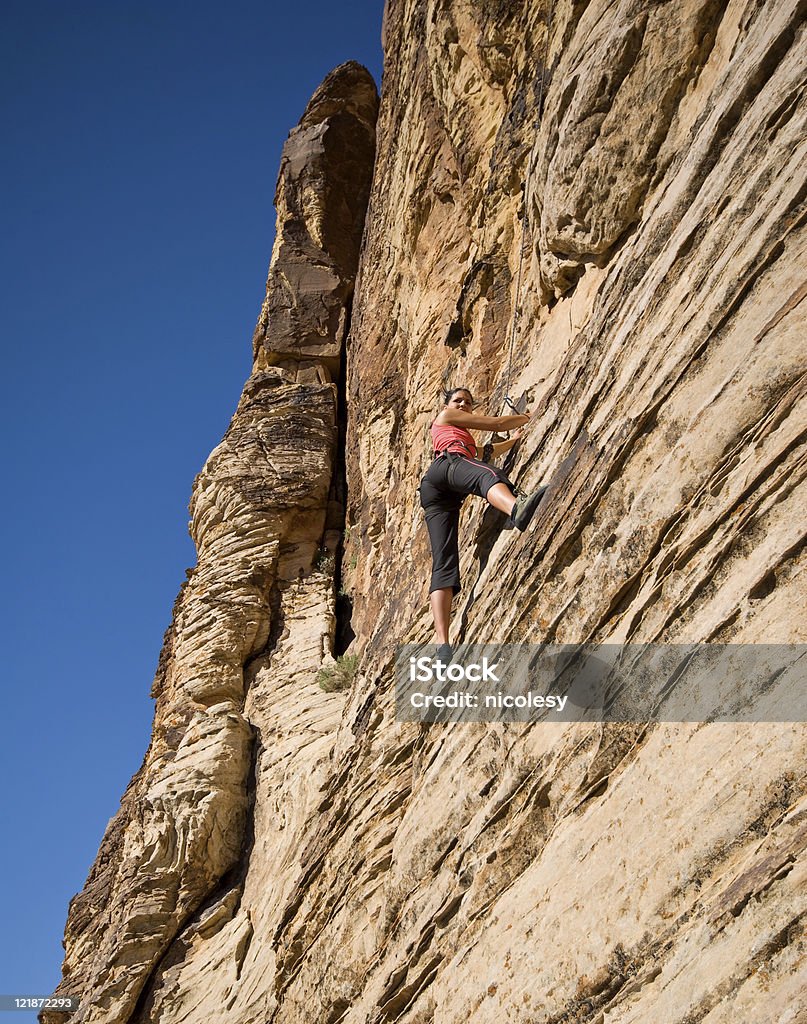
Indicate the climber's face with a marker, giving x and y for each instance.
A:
(461, 400)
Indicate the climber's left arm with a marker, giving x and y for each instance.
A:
(500, 447)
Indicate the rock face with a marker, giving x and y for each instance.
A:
(289, 855)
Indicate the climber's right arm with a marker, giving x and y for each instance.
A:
(470, 421)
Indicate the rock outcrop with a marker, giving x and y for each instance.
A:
(598, 208)
(266, 522)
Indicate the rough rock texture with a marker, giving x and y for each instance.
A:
(554, 873)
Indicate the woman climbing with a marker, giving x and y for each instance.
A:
(457, 471)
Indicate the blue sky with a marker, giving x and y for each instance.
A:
(141, 148)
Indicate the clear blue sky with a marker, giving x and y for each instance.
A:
(141, 147)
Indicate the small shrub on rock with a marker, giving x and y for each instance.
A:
(339, 675)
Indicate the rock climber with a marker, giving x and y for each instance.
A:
(461, 468)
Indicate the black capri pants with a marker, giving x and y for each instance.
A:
(449, 479)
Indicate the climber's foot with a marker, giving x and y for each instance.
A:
(525, 507)
(444, 653)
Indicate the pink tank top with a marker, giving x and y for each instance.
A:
(447, 438)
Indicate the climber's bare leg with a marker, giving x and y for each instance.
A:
(440, 601)
(501, 497)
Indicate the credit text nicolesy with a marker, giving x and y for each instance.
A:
(456, 699)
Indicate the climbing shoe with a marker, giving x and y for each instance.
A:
(444, 653)
(525, 507)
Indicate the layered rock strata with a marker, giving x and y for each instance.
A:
(266, 523)
(645, 295)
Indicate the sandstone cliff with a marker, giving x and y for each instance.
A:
(598, 207)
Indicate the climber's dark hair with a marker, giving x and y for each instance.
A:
(450, 392)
